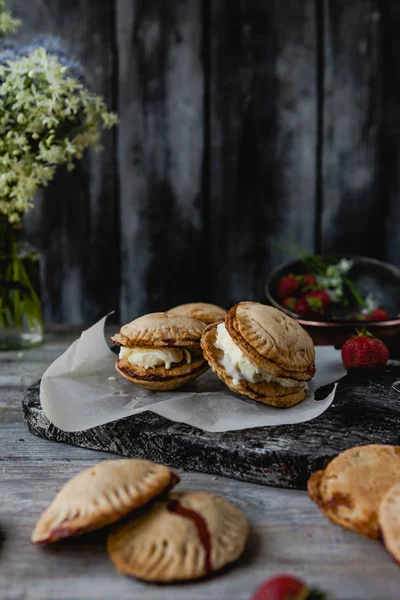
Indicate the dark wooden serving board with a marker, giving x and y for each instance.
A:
(366, 410)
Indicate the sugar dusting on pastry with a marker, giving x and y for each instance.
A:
(148, 358)
(239, 367)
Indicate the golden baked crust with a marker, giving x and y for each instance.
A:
(266, 392)
(313, 486)
(351, 488)
(185, 537)
(160, 378)
(314, 491)
(101, 495)
(202, 311)
(389, 521)
(272, 340)
(161, 330)
(160, 372)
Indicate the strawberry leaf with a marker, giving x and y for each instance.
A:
(315, 304)
(363, 332)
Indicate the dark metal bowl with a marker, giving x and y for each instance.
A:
(370, 276)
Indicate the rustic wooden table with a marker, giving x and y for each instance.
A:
(288, 533)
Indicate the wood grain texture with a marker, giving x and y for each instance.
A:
(288, 532)
(353, 217)
(75, 222)
(263, 103)
(390, 155)
(283, 456)
(161, 88)
(240, 122)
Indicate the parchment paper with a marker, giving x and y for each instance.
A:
(81, 389)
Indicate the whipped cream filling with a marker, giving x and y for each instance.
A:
(148, 358)
(239, 367)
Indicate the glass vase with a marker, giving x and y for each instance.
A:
(21, 324)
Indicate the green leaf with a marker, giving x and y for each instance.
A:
(354, 292)
(315, 304)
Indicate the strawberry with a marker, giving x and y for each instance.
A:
(312, 304)
(287, 286)
(322, 297)
(289, 303)
(378, 314)
(285, 587)
(308, 281)
(363, 351)
(302, 308)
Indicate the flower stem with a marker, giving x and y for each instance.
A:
(18, 298)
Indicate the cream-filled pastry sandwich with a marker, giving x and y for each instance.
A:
(202, 311)
(160, 351)
(260, 352)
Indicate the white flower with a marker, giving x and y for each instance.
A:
(370, 304)
(8, 24)
(38, 130)
(344, 265)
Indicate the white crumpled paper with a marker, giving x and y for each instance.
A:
(81, 389)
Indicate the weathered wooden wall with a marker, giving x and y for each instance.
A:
(241, 121)
(352, 110)
(263, 138)
(160, 152)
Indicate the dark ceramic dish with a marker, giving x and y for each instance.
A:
(370, 276)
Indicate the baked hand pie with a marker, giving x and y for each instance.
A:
(260, 352)
(389, 521)
(161, 351)
(349, 491)
(185, 536)
(202, 311)
(102, 495)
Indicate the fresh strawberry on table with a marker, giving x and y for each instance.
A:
(288, 286)
(378, 314)
(286, 587)
(364, 351)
